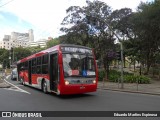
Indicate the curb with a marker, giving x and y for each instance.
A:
(129, 91)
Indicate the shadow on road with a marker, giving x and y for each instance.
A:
(63, 96)
(75, 96)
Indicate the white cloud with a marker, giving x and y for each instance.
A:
(1, 17)
(46, 15)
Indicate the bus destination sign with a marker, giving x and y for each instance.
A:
(76, 50)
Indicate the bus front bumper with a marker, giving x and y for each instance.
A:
(78, 89)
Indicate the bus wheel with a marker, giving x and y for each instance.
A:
(44, 87)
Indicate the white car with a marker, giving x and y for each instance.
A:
(14, 74)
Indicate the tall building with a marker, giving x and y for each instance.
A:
(6, 43)
(31, 36)
(22, 39)
(17, 39)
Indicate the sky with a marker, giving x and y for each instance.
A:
(44, 16)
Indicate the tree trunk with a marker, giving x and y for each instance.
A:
(148, 67)
(106, 67)
(148, 63)
(124, 61)
(134, 65)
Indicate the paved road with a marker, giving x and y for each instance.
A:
(30, 99)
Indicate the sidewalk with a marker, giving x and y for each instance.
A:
(3, 84)
(153, 88)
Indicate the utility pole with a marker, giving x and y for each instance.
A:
(10, 61)
(121, 48)
(12, 55)
(122, 61)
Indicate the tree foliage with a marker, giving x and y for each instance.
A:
(4, 58)
(89, 26)
(53, 42)
(146, 24)
(20, 53)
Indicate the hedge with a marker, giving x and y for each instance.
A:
(114, 76)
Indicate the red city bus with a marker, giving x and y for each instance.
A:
(62, 69)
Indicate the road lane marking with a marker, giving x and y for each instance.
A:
(13, 89)
(19, 85)
(19, 89)
(8, 76)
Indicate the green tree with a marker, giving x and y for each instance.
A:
(53, 42)
(146, 24)
(20, 53)
(121, 22)
(4, 58)
(90, 27)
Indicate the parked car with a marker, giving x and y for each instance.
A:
(14, 74)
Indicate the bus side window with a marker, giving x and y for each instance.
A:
(45, 69)
(39, 65)
(34, 66)
(45, 64)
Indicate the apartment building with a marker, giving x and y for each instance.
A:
(17, 39)
(41, 43)
(6, 43)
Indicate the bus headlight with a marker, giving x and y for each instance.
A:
(94, 81)
(66, 82)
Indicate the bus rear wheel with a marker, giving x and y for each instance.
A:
(44, 87)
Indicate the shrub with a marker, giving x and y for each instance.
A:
(114, 76)
(129, 78)
(143, 79)
(101, 75)
(135, 79)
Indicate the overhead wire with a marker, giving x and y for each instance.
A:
(42, 33)
(6, 3)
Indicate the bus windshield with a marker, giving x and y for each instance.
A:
(78, 65)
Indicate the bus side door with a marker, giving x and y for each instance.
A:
(53, 71)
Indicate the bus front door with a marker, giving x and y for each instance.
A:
(53, 71)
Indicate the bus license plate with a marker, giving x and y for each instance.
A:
(82, 87)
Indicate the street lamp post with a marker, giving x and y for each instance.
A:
(122, 61)
(121, 47)
(13, 56)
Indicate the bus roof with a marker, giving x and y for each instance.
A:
(54, 48)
